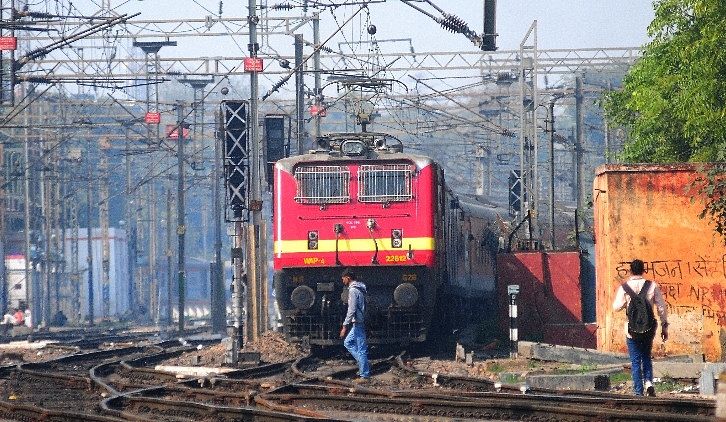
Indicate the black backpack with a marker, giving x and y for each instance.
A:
(641, 320)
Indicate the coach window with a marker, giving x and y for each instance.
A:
(384, 183)
(322, 185)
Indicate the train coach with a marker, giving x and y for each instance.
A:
(359, 201)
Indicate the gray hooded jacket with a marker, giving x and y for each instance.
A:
(356, 304)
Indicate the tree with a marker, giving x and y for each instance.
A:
(673, 100)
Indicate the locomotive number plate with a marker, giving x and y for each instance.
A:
(395, 258)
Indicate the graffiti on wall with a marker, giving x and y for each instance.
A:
(688, 286)
(679, 269)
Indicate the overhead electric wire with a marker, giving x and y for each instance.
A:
(293, 71)
(499, 129)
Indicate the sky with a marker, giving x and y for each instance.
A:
(564, 24)
(560, 23)
(400, 28)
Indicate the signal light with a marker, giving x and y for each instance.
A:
(313, 239)
(396, 238)
(516, 192)
(278, 140)
(236, 159)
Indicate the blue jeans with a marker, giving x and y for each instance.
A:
(641, 363)
(357, 345)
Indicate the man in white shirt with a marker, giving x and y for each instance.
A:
(642, 365)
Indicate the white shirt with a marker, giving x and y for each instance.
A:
(654, 297)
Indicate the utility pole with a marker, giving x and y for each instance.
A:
(152, 119)
(169, 317)
(579, 149)
(236, 129)
(89, 257)
(103, 217)
(45, 201)
(256, 280)
(30, 276)
(299, 93)
(528, 129)
(152, 282)
(129, 216)
(197, 84)
(219, 308)
(75, 274)
(550, 128)
(181, 199)
(316, 64)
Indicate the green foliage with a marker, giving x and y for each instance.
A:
(620, 377)
(583, 369)
(710, 186)
(511, 378)
(495, 367)
(673, 101)
(668, 384)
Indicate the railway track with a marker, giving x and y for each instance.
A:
(121, 383)
(332, 400)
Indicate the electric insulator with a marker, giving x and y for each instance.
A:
(278, 85)
(509, 133)
(454, 24)
(445, 24)
(283, 6)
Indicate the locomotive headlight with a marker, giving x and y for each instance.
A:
(302, 297)
(396, 238)
(313, 239)
(352, 148)
(405, 295)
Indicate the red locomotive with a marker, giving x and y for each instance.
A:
(358, 200)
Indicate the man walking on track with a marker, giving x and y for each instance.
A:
(353, 330)
(639, 296)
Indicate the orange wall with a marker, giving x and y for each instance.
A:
(645, 211)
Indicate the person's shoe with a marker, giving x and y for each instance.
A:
(361, 381)
(649, 390)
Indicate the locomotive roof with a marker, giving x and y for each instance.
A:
(355, 147)
(479, 206)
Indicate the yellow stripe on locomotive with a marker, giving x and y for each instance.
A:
(352, 245)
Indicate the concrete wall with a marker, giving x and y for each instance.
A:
(549, 303)
(646, 212)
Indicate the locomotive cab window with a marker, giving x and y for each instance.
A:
(322, 185)
(384, 183)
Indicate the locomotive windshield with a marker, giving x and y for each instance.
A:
(322, 185)
(331, 184)
(384, 183)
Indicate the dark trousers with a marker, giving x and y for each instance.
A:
(641, 363)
